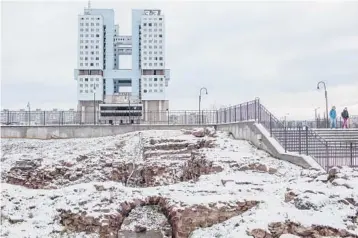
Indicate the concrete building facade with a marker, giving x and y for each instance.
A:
(101, 83)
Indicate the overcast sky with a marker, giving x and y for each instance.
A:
(238, 50)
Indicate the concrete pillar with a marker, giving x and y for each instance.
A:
(160, 110)
(146, 111)
(83, 114)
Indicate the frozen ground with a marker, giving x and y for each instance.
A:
(27, 212)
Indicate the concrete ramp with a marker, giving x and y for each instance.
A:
(260, 137)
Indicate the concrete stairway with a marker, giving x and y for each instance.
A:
(339, 145)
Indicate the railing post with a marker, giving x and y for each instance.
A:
(285, 134)
(259, 111)
(270, 125)
(255, 110)
(247, 111)
(230, 114)
(299, 139)
(235, 113)
(44, 117)
(8, 118)
(327, 155)
(351, 153)
(240, 112)
(306, 140)
(217, 117)
(185, 122)
(168, 116)
(225, 115)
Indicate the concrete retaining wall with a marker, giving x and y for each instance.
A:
(84, 131)
(259, 136)
(249, 130)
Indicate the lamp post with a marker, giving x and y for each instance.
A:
(129, 110)
(206, 92)
(326, 96)
(315, 116)
(94, 104)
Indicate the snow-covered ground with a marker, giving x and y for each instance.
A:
(27, 212)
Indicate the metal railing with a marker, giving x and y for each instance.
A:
(303, 140)
(54, 118)
(320, 123)
(296, 137)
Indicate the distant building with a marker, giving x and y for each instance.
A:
(100, 81)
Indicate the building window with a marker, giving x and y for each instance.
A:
(145, 90)
(161, 64)
(155, 79)
(144, 24)
(97, 35)
(81, 64)
(86, 79)
(97, 24)
(81, 91)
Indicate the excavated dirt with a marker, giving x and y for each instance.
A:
(162, 162)
(183, 219)
(276, 229)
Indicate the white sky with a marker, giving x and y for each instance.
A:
(238, 50)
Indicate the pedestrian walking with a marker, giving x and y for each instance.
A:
(333, 117)
(345, 116)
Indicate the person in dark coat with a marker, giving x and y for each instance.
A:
(345, 116)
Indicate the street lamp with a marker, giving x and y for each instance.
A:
(206, 92)
(325, 94)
